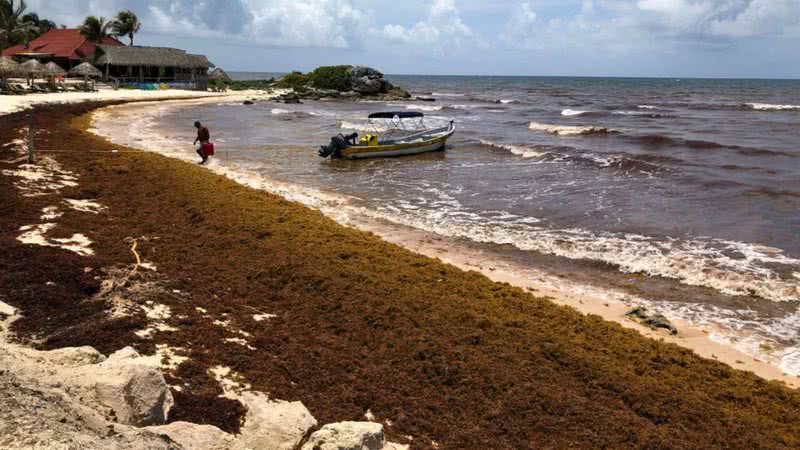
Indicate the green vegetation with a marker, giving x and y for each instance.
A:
(126, 24)
(294, 80)
(17, 27)
(96, 28)
(250, 84)
(331, 77)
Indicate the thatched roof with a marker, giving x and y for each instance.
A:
(150, 56)
(219, 74)
(8, 66)
(52, 68)
(85, 70)
(31, 67)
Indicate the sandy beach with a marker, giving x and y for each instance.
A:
(241, 291)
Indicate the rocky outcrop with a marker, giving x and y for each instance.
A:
(350, 436)
(652, 320)
(342, 82)
(273, 425)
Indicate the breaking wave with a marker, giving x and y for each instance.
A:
(566, 130)
(734, 268)
(769, 107)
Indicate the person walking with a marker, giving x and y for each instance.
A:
(203, 138)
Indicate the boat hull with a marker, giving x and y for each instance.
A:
(397, 149)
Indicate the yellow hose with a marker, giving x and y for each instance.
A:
(133, 250)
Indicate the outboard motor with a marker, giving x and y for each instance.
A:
(338, 143)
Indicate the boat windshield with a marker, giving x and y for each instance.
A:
(391, 125)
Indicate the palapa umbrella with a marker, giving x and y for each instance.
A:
(53, 69)
(32, 68)
(8, 67)
(85, 70)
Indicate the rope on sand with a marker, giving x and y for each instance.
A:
(135, 254)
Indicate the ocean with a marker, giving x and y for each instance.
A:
(681, 194)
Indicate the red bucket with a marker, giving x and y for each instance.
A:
(208, 149)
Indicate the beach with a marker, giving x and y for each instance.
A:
(257, 292)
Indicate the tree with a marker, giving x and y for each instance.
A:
(126, 24)
(95, 29)
(12, 28)
(42, 25)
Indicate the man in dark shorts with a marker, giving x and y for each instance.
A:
(203, 137)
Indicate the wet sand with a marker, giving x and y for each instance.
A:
(446, 357)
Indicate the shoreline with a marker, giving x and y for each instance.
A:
(444, 356)
(584, 299)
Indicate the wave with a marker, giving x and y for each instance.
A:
(446, 94)
(769, 107)
(279, 111)
(520, 150)
(565, 130)
(573, 113)
(621, 162)
(424, 107)
(734, 268)
(647, 107)
(658, 141)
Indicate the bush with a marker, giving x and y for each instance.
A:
(331, 77)
(294, 81)
(251, 84)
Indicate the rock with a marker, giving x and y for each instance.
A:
(138, 394)
(653, 321)
(394, 446)
(248, 102)
(191, 436)
(347, 436)
(368, 86)
(74, 356)
(365, 71)
(273, 425)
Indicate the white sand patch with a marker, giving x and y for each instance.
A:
(222, 323)
(148, 266)
(44, 178)
(156, 311)
(50, 213)
(36, 235)
(7, 310)
(241, 342)
(202, 310)
(87, 206)
(163, 351)
(369, 416)
(263, 317)
(231, 382)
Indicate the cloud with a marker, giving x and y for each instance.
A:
(652, 24)
(443, 27)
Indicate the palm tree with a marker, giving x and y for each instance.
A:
(126, 24)
(95, 29)
(43, 25)
(12, 28)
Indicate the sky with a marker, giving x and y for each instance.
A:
(637, 38)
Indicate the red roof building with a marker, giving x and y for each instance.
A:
(64, 46)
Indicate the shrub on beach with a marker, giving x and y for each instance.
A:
(293, 80)
(331, 77)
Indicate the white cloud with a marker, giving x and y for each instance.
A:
(443, 27)
(617, 25)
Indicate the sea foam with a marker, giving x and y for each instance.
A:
(566, 130)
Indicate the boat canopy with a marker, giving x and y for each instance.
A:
(399, 114)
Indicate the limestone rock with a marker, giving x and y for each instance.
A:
(368, 86)
(365, 71)
(347, 436)
(273, 425)
(395, 446)
(191, 436)
(137, 394)
(74, 356)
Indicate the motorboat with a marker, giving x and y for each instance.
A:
(391, 134)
